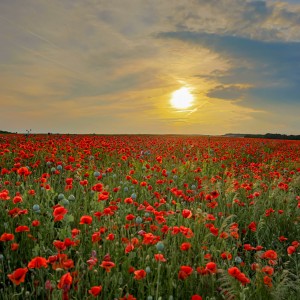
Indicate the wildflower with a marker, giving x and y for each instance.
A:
(95, 290)
(59, 213)
(252, 226)
(248, 247)
(214, 230)
(290, 250)
(59, 245)
(110, 237)
(270, 254)
(31, 192)
(23, 171)
(184, 272)
(187, 214)
(86, 220)
(92, 262)
(268, 270)
(185, 246)
(131, 270)
(159, 257)
(18, 275)
(202, 271)
(96, 237)
(211, 267)
(150, 239)
(17, 199)
(139, 274)
(37, 263)
(5, 237)
(35, 223)
(223, 235)
(103, 196)
(196, 297)
(69, 181)
(14, 247)
(282, 238)
(129, 247)
(107, 265)
(97, 187)
(268, 281)
(236, 273)
(22, 228)
(226, 255)
(65, 284)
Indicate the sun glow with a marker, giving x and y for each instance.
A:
(182, 98)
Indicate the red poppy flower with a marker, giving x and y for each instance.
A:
(97, 187)
(59, 213)
(130, 217)
(252, 226)
(35, 223)
(4, 195)
(270, 254)
(69, 181)
(268, 281)
(184, 272)
(59, 245)
(14, 246)
(268, 270)
(86, 220)
(139, 274)
(226, 255)
(129, 247)
(234, 271)
(159, 257)
(196, 297)
(107, 265)
(185, 246)
(103, 196)
(211, 267)
(65, 282)
(290, 250)
(95, 290)
(18, 275)
(5, 237)
(186, 213)
(37, 263)
(22, 228)
(23, 171)
(17, 199)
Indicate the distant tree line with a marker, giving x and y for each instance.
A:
(274, 136)
(4, 132)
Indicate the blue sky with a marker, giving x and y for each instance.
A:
(98, 66)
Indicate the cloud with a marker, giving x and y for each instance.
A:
(269, 69)
(231, 92)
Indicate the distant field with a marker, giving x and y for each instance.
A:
(149, 217)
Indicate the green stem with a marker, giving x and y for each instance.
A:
(157, 284)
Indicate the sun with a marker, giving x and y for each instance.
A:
(182, 98)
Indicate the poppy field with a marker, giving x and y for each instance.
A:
(149, 217)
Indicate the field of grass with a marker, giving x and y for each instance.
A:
(149, 217)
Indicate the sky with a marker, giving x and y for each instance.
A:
(112, 66)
